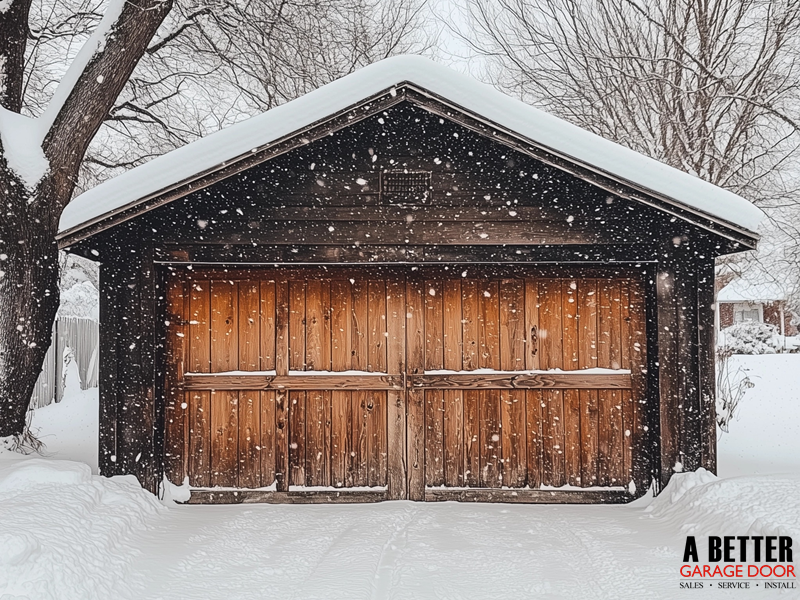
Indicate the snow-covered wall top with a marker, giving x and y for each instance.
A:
(539, 127)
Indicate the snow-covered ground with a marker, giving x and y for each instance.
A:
(65, 533)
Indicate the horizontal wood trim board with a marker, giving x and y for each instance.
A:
(437, 495)
(522, 381)
(210, 381)
(528, 496)
(269, 497)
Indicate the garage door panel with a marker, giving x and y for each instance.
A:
(472, 438)
(341, 416)
(453, 433)
(513, 421)
(268, 439)
(224, 438)
(224, 330)
(491, 445)
(199, 438)
(512, 324)
(534, 402)
(249, 323)
(553, 470)
(267, 320)
(434, 438)
(481, 432)
(589, 437)
(376, 323)
(249, 443)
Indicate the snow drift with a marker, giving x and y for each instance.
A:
(64, 533)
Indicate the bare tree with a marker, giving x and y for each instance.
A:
(39, 163)
(247, 57)
(708, 86)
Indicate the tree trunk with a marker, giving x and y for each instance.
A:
(29, 299)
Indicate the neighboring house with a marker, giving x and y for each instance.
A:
(407, 285)
(743, 300)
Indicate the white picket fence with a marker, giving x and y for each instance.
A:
(79, 334)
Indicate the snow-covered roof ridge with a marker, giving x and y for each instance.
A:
(743, 289)
(543, 129)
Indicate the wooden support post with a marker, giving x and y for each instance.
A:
(110, 278)
(668, 373)
(706, 330)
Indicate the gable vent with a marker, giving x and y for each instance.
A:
(407, 185)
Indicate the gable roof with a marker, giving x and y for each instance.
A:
(179, 167)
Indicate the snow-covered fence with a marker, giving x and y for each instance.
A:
(81, 336)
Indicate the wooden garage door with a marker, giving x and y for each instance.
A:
(408, 385)
(528, 382)
(284, 375)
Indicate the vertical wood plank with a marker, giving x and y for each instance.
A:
(376, 325)
(358, 434)
(490, 438)
(533, 429)
(249, 322)
(176, 409)
(396, 406)
(267, 324)
(514, 437)
(281, 397)
(551, 357)
(452, 342)
(572, 401)
(415, 399)
(297, 438)
(341, 330)
(340, 439)
(472, 438)
(199, 439)
(224, 329)
(249, 439)
(434, 437)
(453, 437)
(359, 326)
(341, 402)
(224, 438)
(249, 419)
(531, 324)
(268, 437)
(470, 324)
(434, 326)
(587, 359)
(297, 326)
(317, 450)
(512, 325)
(315, 327)
(224, 404)
(489, 330)
(199, 327)
(379, 438)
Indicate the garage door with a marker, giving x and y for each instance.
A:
(400, 383)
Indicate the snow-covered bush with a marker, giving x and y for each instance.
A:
(751, 337)
(731, 387)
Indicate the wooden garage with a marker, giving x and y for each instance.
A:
(406, 285)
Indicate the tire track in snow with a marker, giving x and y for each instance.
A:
(389, 558)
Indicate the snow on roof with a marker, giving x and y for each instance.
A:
(742, 290)
(541, 128)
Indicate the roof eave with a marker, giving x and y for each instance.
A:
(409, 91)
